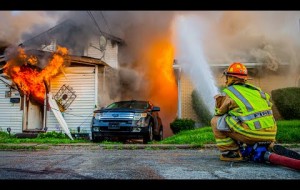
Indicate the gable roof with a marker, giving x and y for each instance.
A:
(63, 30)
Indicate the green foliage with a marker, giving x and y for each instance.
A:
(52, 134)
(203, 114)
(199, 136)
(288, 131)
(287, 102)
(111, 142)
(4, 134)
(182, 124)
(49, 137)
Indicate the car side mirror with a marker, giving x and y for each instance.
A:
(155, 108)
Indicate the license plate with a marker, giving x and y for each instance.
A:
(114, 126)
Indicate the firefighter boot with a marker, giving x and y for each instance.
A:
(232, 156)
(280, 150)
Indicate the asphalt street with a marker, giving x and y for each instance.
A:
(133, 162)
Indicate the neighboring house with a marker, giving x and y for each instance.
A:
(260, 76)
(83, 85)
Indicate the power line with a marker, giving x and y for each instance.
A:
(96, 23)
(106, 23)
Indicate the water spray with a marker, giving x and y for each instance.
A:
(192, 60)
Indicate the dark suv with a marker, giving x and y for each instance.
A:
(131, 119)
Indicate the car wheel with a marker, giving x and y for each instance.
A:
(161, 134)
(149, 136)
(96, 139)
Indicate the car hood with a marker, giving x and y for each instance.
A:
(122, 110)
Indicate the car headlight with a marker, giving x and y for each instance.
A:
(138, 116)
(96, 129)
(142, 122)
(98, 116)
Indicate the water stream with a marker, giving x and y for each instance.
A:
(191, 57)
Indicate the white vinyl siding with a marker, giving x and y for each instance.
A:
(80, 112)
(10, 113)
(93, 50)
(109, 55)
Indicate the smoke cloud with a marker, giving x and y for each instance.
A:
(14, 24)
(229, 35)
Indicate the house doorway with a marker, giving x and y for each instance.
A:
(33, 114)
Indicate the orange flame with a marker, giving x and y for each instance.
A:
(28, 77)
(160, 76)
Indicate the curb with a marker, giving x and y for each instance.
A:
(104, 146)
(36, 146)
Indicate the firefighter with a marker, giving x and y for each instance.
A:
(243, 114)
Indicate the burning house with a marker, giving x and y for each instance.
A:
(50, 83)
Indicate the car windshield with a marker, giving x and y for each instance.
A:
(129, 104)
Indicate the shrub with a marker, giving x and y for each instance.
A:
(182, 124)
(203, 114)
(287, 102)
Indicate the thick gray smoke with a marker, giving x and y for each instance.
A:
(230, 35)
(257, 36)
(14, 24)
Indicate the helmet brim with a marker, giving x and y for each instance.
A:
(245, 77)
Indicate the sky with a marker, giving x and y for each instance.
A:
(195, 39)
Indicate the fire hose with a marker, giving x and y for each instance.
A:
(260, 153)
(282, 160)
